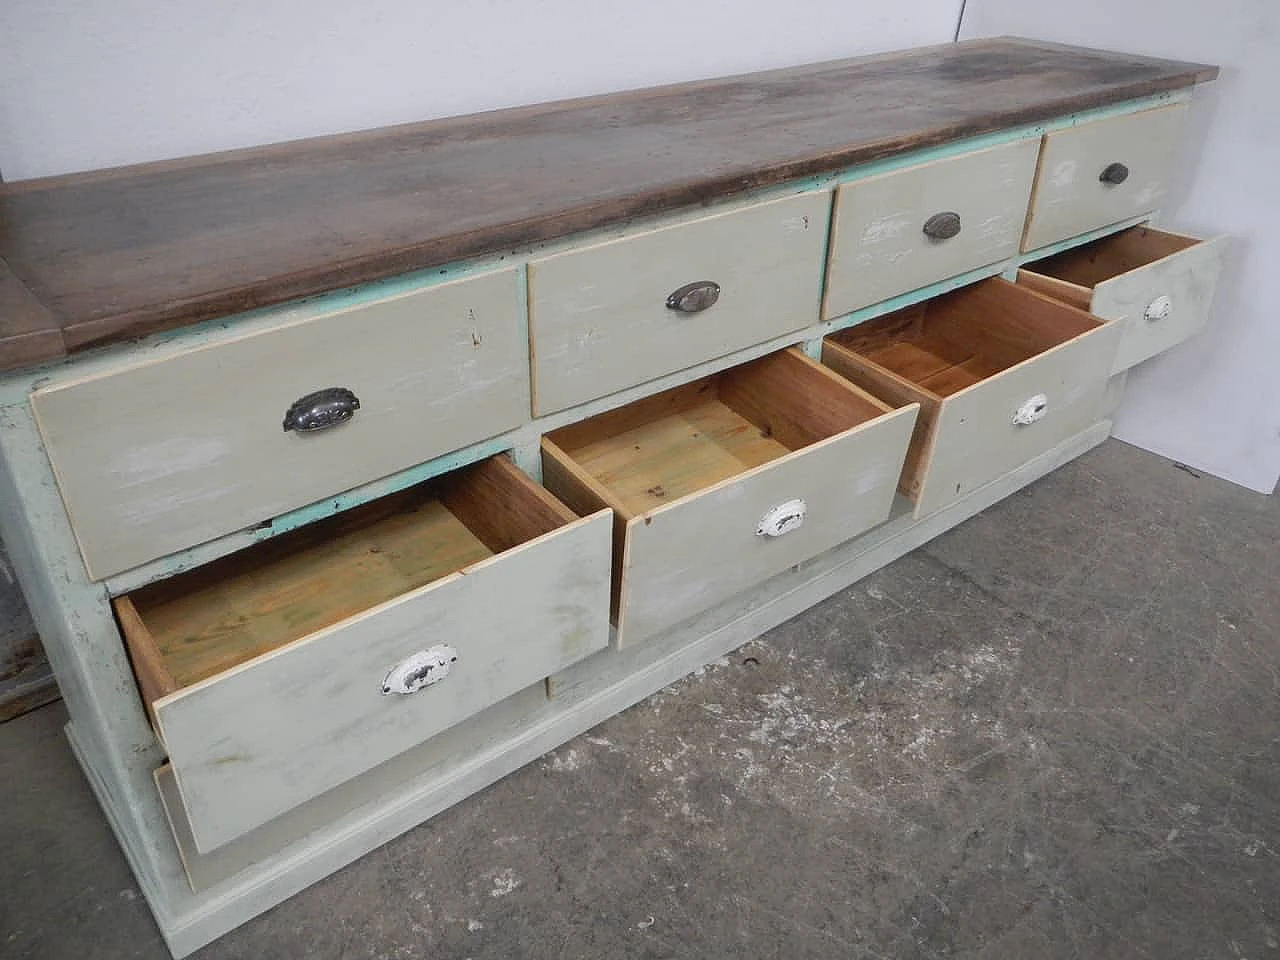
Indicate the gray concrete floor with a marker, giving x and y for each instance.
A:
(1053, 732)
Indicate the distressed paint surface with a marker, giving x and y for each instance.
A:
(1069, 198)
(878, 247)
(975, 439)
(276, 731)
(437, 773)
(231, 231)
(1188, 278)
(269, 864)
(189, 448)
(695, 553)
(80, 639)
(598, 316)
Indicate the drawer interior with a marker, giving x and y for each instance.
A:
(676, 443)
(199, 624)
(1088, 265)
(947, 344)
(935, 349)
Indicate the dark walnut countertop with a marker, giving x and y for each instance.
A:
(91, 259)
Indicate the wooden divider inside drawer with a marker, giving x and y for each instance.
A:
(1001, 374)
(720, 484)
(267, 672)
(1159, 285)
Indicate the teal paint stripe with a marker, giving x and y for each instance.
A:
(393, 484)
(333, 301)
(208, 331)
(321, 304)
(1007, 268)
(997, 138)
(176, 563)
(913, 297)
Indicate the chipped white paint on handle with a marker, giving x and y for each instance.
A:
(1158, 309)
(879, 248)
(782, 519)
(161, 455)
(1031, 410)
(599, 320)
(253, 742)
(976, 436)
(422, 669)
(1160, 304)
(690, 555)
(1069, 199)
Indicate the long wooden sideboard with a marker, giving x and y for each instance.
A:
(343, 477)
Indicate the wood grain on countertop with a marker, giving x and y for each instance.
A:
(107, 256)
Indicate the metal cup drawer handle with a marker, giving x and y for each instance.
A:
(1114, 174)
(1031, 410)
(694, 297)
(321, 410)
(942, 226)
(422, 669)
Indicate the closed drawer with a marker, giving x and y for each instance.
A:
(1157, 285)
(913, 227)
(603, 318)
(266, 672)
(162, 455)
(1102, 172)
(720, 484)
(1002, 374)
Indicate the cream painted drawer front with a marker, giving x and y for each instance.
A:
(1071, 197)
(695, 554)
(678, 558)
(255, 741)
(163, 455)
(1035, 374)
(976, 437)
(599, 317)
(1159, 286)
(880, 247)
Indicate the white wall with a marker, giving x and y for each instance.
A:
(1213, 403)
(95, 83)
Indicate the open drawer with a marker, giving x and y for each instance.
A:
(1001, 373)
(1158, 285)
(722, 483)
(278, 673)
